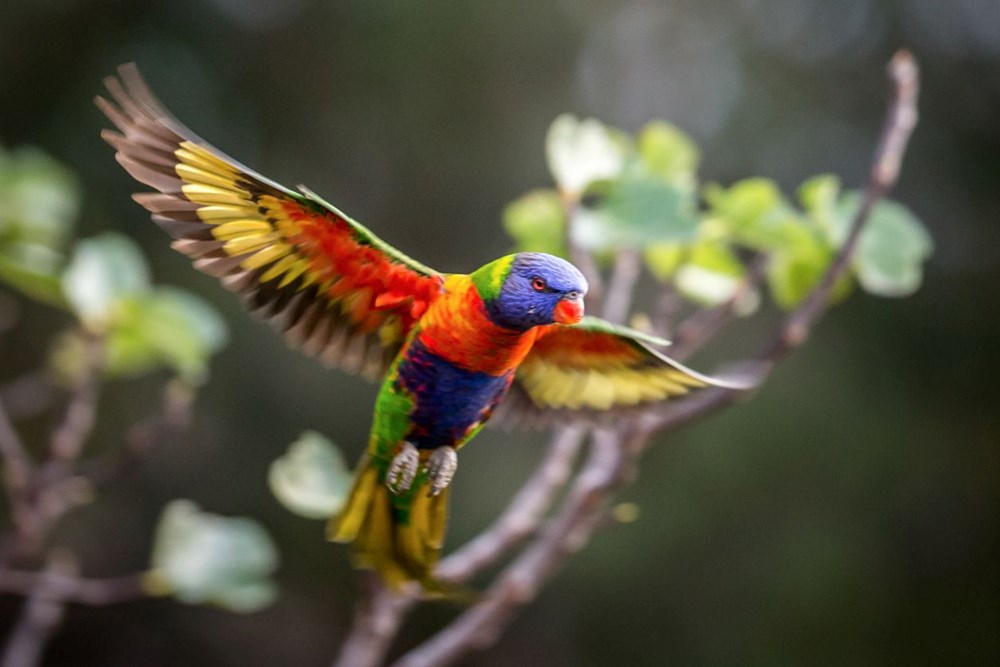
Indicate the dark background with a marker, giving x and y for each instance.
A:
(848, 515)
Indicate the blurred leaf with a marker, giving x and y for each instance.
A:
(311, 479)
(537, 223)
(39, 198)
(662, 259)
(818, 196)
(892, 248)
(669, 153)
(205, 558)
(710, 274)
(33, 270)
(583, 151)
(755, 214)
(791, 277)
(637, 209)
(793, 272)
(166, 327)
(39, 201)
(104, 270)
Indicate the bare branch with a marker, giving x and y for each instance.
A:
(64, 587)
(71, 434)
(519, 583)
(380, 611)
(700, 327)
(524, 513)
(613, 453)
(17, 465)
(666, 307)
(41, 614)
(581, 258)
(173, 417)
(28, 395)
(621, 286)
(899, 124)
(377, 619)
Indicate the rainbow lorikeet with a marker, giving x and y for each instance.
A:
(448, 348)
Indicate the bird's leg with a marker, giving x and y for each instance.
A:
(441, 467)
(403, 469)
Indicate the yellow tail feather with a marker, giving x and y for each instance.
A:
(400, 537)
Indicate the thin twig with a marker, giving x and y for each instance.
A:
(377, 618)
(41, 614)
(698, 329)
(78, 421)
(68, 588)
(621, 286)
(17, 464)
(581, 258)
(613, 453)
(380, 611)
(668, 303)
(524, 513)
(173, 417)
(519, 583)
(899, 124)
(28, 395)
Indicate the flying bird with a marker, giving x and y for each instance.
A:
(447, 348)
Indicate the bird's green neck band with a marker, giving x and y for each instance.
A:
(489, 279)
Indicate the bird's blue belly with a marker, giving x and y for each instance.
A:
(448, 400)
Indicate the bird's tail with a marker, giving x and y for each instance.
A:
(399, 536)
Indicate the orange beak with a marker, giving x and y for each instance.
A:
(568, 311)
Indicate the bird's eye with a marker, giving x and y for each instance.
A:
(538, 284)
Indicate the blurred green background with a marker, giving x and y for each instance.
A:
(847, 515)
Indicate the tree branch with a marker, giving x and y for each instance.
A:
(62, 587)
(524, 513)
(380, 611)
(705, 323)
(621, 286)
(613, 452)
(519, 583)
(41, 614)
(377, 618)
(18, 467)
(78, 421)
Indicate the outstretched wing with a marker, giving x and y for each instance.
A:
(334, 288)
(592, 370)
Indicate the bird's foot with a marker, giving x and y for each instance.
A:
(403, 469)
(441, 467)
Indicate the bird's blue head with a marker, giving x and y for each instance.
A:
(530, 289)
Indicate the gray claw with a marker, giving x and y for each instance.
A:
(403, 469)
(441, 467)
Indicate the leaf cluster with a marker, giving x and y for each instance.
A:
(615, 191)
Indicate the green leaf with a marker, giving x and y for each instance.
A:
(311, 479)
(537, 223)
(662, 259)
(711, 275)
(104, 270)
(892, 248)
(669, 153)
(753, 212)
(581, 152)
(638, 209)
(203, 558)
(39, 198)
(33, 270)
(165, 327)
